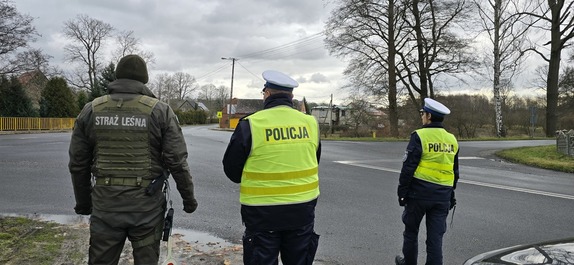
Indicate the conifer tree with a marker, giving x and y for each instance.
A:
(81, 99)
(57, 100)
(13, 99)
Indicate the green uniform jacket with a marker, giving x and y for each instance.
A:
(167, 148)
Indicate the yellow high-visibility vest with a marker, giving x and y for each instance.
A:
(282, 166)
(437, 160)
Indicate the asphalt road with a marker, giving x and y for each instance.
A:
(499, 204)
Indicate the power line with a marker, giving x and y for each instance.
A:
(223, 65)
(258, 77)
(281, 51)
(284, 47)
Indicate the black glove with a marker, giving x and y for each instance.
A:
(189, 206)
(452, 201)
(83, 209)
(402, 201)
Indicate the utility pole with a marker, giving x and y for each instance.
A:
(232, 73)
(331, 115)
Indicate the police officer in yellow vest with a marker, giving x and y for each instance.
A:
(274, 155)
(427, 182)
(126, 140)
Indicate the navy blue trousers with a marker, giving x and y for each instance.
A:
(297, 246)
(436, 213)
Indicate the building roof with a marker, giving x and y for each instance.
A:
(25, 78)
(245, 106)
(248, 106)
(187, 104)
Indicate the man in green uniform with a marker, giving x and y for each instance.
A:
(121, 144)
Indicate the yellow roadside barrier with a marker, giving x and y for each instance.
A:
(35, 124)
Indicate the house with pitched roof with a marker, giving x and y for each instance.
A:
(243, 107)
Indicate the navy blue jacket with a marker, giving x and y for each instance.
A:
(413, 188)
(265, 218)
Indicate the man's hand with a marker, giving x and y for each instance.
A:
(402, 201)
(189, 206)
(83, 209)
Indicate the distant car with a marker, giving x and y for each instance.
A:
(550, 252)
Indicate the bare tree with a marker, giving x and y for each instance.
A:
(559, 22)
(507, 30)
(28, 60)
(16, 32)
(360, 116)
(206, 93)
(163, 87)
(566, 98)
(88, 35)
(434, 47)
(213, 97)
(177, 86)
(469, 114)
(221, 96)
(420, 33)
(368, 32)
(185, 84)
(129, 44)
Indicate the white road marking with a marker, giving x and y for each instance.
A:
(469, 157)
(503, 187)
(472, 182)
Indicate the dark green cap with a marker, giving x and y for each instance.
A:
(132, 67)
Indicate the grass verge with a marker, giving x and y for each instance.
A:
(27, 241)
(539, 156)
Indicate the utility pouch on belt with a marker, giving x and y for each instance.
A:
(167, 225)
(155, 185)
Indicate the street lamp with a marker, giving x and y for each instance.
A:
(232, 72)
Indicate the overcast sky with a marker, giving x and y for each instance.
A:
(192, 36)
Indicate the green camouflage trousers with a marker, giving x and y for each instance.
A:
(109, 230)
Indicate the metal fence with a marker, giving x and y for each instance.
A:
(35, 124)
(565, 142)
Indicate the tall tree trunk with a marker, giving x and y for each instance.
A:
(552, 88)
(497, 73)
(553, 69)
(420, 50)
(392, 96)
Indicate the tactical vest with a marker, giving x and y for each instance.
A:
(122, 140)
(282, 166)
(437, 160)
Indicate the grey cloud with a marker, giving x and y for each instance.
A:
(319, 78)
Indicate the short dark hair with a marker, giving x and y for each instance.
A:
(436, 118)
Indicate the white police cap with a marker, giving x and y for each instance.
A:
(278, 80)
(435, 108)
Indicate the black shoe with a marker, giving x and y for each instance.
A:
(399, 260)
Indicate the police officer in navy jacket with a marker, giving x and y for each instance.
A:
(426, 184)
(274, 155)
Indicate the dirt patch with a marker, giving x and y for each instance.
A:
(28, 241)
